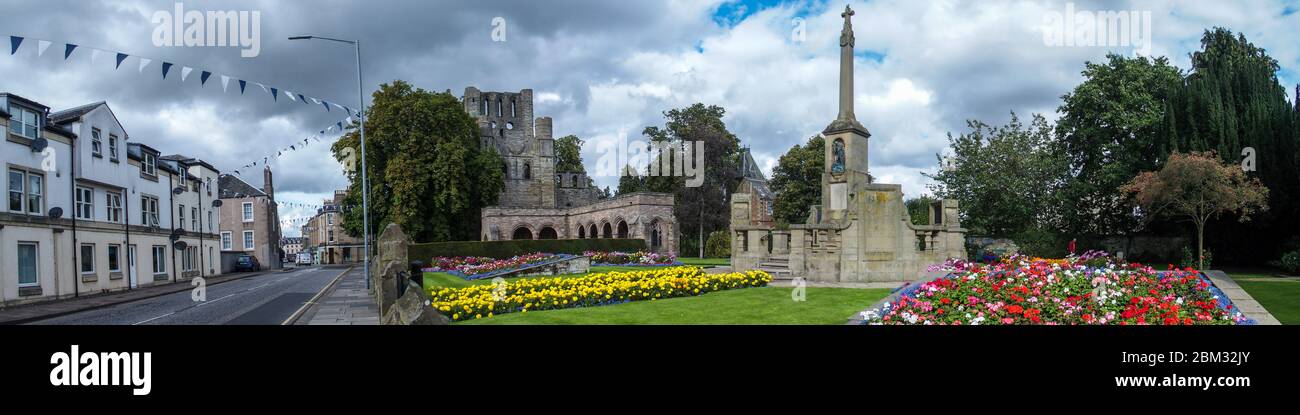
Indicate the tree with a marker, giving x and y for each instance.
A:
(918, 209)
(568, 154)
(1004, 178)
(701, 209)
(1197, 187)
(1109, 130)
(796, 180)
(427, 171)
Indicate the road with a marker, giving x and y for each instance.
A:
(263, 299)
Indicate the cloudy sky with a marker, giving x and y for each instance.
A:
(604, 70)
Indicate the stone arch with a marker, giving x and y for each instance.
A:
(528, 171)
(591, 230)
(582, 231)
(607, 230)
(656, 237)
(522, 232)
(548, 232)
(621, 230)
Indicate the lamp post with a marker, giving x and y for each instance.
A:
(365, 182)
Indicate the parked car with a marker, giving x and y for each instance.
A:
(304, 258)
(246, 263)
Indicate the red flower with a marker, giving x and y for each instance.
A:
(1015, 309)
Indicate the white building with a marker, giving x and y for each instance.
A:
(118, 205)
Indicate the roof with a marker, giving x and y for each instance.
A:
(749, 168)
(231, 187)
(189, 160)
(74, 113)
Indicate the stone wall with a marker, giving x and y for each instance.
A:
(639, 213)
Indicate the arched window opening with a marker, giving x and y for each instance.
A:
(547, 233)
(522, 233)
(622, 229)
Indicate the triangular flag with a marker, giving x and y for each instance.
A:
(327, 105)
(185, 72)
(41, 46)
(143, 63)
(315, 100)
(167, 66)
(203, 77)
(67, 50)
(120, 57)
(302, 98)
(275, 94)
(225, 80)
(340, 126)
(94, 54)
(288, 94)
(263, 87)
(340, 107)
(242, 84)
(14, 42)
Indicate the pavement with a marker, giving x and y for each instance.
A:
(346, 302)
(252, 299)
(1241, 299)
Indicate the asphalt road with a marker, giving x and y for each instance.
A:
(264, 299)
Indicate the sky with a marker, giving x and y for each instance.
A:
(603, 70)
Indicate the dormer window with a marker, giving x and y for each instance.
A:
(24, 122)
(149, 166)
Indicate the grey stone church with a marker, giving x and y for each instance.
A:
(539, 202)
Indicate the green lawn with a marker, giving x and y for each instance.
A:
(763, 305)
(1281, 298)
(706, 262)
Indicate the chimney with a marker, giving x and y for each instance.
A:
(267, 187)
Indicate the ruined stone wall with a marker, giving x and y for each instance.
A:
(640, 213)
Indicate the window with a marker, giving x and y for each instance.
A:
(25, 186)
(329, 219)
(149, 210)
(149, 166)
(159, 259)
(24, 122)
(209, 221)
(194, 219)
(96, 144)
(113, 207)
(248, 211)
(248, 240)
(112, 147)
(87, 258)
(180, 216)
(28, 273)
(85, 203)
(114, 258)
(331, 236)
(226, 242)
(188, 259)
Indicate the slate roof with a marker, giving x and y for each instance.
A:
(231, 187)
(73, 113)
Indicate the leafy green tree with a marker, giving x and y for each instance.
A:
(568, 154)
(701, 209)
(1109, 129)
(1197, 187)
(918, 209)
(1003, 177)
(796, 180)
(427, 172)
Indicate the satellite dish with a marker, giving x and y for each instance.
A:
(180, 245)
(177, 234)
(56, 212)
(216, 203)
(39, 144)
(178, 190)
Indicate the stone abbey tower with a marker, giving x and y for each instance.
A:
(861, 232)
(539, 202)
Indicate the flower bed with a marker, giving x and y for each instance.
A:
(624, 259)
(525, 295)
(1089, 289)
(474, 268)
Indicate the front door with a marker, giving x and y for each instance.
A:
(130, 266)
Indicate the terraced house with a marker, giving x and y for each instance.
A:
(89, 211)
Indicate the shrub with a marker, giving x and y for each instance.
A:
(1041, 243)
(1290, 262)
(1189, 260)
(479, 301)
(718, 245)
(508, 249)
(634, 258)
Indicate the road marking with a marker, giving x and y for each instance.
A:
(293, 318)
(152, 319)
(213, 301)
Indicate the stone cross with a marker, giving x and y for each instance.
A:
(846, 67)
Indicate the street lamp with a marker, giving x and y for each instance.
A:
(365, 182)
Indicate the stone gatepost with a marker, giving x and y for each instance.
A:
(401, 300)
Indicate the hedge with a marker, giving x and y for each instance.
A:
(506, 249)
